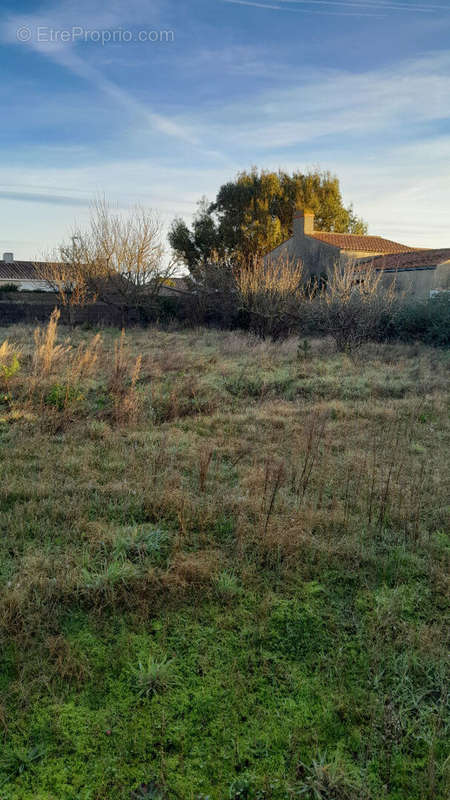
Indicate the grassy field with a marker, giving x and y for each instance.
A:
(222, 568)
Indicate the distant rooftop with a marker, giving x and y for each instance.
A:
(413, 259)
(19, 270)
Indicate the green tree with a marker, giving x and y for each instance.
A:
(253, 213)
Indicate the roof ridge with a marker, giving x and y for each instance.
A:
(361, 236)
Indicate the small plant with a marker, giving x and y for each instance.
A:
(9, 364)
(245, 386)
(304, 350)
(149, 791)
(243, 789)
(328, 780)
(153, 676)
(114, 574)
(144, 544)
(63, 396)
(19, 761)
(205, 458)
(227, 585)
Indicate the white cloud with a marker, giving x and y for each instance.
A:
(337, 103)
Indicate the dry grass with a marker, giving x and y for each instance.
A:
(201, 465)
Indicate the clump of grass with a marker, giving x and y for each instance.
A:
(144, 544)
(153, 676)
(149, 791)
(112, 574)
(329, 779)
(18, 761)
(184, 397)
(244, 385)
(227, 585)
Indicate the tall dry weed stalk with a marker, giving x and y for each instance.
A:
(84, 360)
(301, 475)
(122, 384)
(205, 458)
(273, 479)
(47, 353)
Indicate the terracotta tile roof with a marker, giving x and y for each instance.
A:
(18, 271)
(413, 259)
(353, 241)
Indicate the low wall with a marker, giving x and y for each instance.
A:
(13, 312)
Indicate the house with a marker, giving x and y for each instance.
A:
(420, 271)
(25, 275)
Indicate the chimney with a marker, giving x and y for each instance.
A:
(303, 224)
(8, 258)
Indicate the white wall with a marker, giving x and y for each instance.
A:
(27, 286)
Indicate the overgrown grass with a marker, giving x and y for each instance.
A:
(223, 568)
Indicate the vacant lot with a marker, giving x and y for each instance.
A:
(222, 568)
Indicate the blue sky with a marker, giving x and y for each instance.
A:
(360, 87)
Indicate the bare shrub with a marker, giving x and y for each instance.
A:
(119, 258)
(270, 294)
(355, 307)
(67, 274)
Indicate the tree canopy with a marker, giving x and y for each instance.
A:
(253, 213)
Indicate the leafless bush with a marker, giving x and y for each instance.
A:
(67, 274)
(119, 258)
(271, 293)
(355, 306)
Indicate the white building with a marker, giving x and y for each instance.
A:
(23, 274)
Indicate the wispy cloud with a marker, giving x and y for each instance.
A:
(347, 8)
(41, 197)
(300, 10)
(66, 54)
(337, 103)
